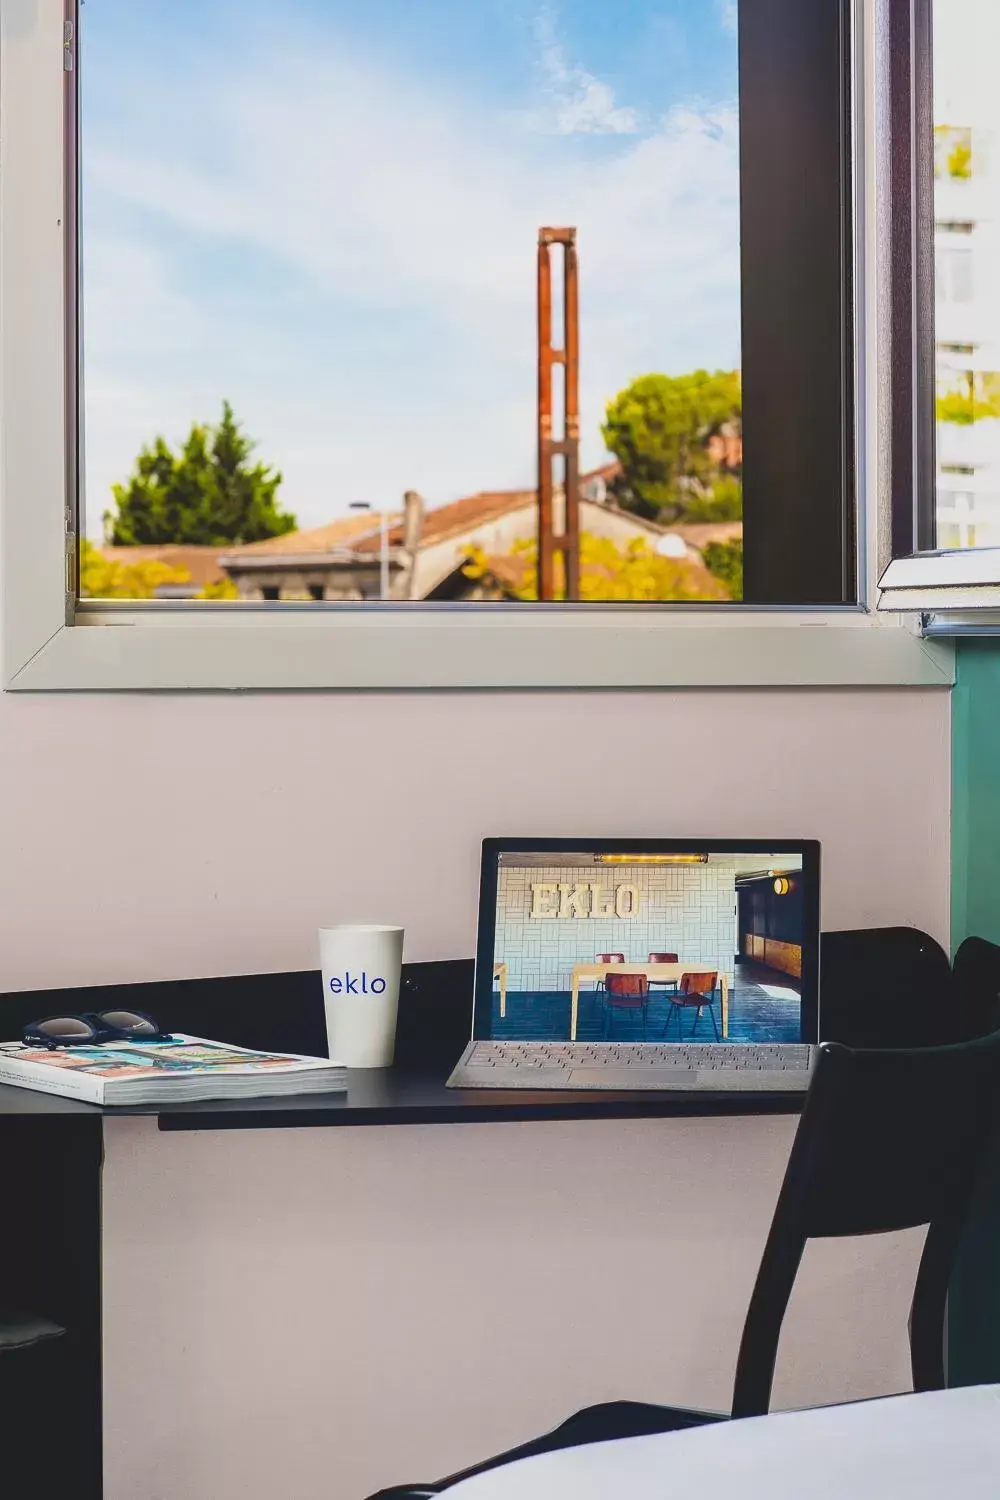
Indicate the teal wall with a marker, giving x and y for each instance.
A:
(974, 1301)
(976, 793)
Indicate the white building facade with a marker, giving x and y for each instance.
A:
(967, 271)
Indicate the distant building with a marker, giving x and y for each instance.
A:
(425, 552)
(725, 448)
(967, 278)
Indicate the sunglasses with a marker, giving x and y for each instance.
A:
(89, 1030)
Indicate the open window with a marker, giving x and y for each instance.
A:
(946, 314)
(547, 338)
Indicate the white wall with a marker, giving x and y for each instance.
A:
(159, 836)
(686, 911)
(318, 1314)
(315, 1313)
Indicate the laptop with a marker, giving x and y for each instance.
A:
(645, 964)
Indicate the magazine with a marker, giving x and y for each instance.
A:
(180, 1070)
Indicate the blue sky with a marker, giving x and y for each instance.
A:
(327, 213)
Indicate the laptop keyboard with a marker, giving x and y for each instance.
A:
(634, 1065)
(639, 1054)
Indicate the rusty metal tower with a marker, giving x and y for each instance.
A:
(558, 532)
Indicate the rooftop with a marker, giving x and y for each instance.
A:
(200, 563)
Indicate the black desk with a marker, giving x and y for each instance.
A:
(390, 1096)
(51, 1148)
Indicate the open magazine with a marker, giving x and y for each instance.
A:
(183, 1069)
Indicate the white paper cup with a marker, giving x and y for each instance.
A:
(361, 966)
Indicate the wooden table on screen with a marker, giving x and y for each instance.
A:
(500, 972)
(651, 971)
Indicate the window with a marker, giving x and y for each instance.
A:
(185, 279)
(947, 455)
(297, 345)
(953, 270)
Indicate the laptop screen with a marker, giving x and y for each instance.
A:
(653, 940)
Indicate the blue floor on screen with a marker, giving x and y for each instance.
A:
(754, 1014)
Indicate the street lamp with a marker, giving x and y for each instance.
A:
(383, 591)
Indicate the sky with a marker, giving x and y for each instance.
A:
(327, 213)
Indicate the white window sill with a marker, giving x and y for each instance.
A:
(222, 648)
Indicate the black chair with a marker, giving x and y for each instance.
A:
(888, 987)
(887, 1140)
(28, 1376)
(976, 988)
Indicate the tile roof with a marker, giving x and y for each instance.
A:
(200, 563)
(335, 536)
(460, 516)
(361, 534)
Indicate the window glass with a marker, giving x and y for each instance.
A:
(437, 301)
(967, 283)
(310, 251)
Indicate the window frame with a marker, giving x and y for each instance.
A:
(953, 591)
(50, 641)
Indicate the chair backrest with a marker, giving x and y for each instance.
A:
(629, 987)
(977, 986)
(611, 958)
(662, 958)
(698, 984)
(888, 1139)
(887, 987)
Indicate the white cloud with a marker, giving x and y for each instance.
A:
(729, 15)
(351, 262)
(578, 103)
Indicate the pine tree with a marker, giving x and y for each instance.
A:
(208, 494)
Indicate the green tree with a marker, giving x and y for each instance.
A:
(953, 151)
(725, 561)
(723, 502)
(975, 399)
(660, 428)
(635, 572)
(208, 494)
(101, 579)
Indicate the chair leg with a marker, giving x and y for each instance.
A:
(697, 1018)
(715, 1028)
(928, 1310)
(645, 1015)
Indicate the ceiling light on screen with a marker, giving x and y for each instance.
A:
(651, 859)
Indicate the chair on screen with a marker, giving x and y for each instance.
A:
(662, 958)
(695, 992)
(607, 958)
(625, 992)
(888, 1139)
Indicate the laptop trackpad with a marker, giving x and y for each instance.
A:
(634, 1076)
